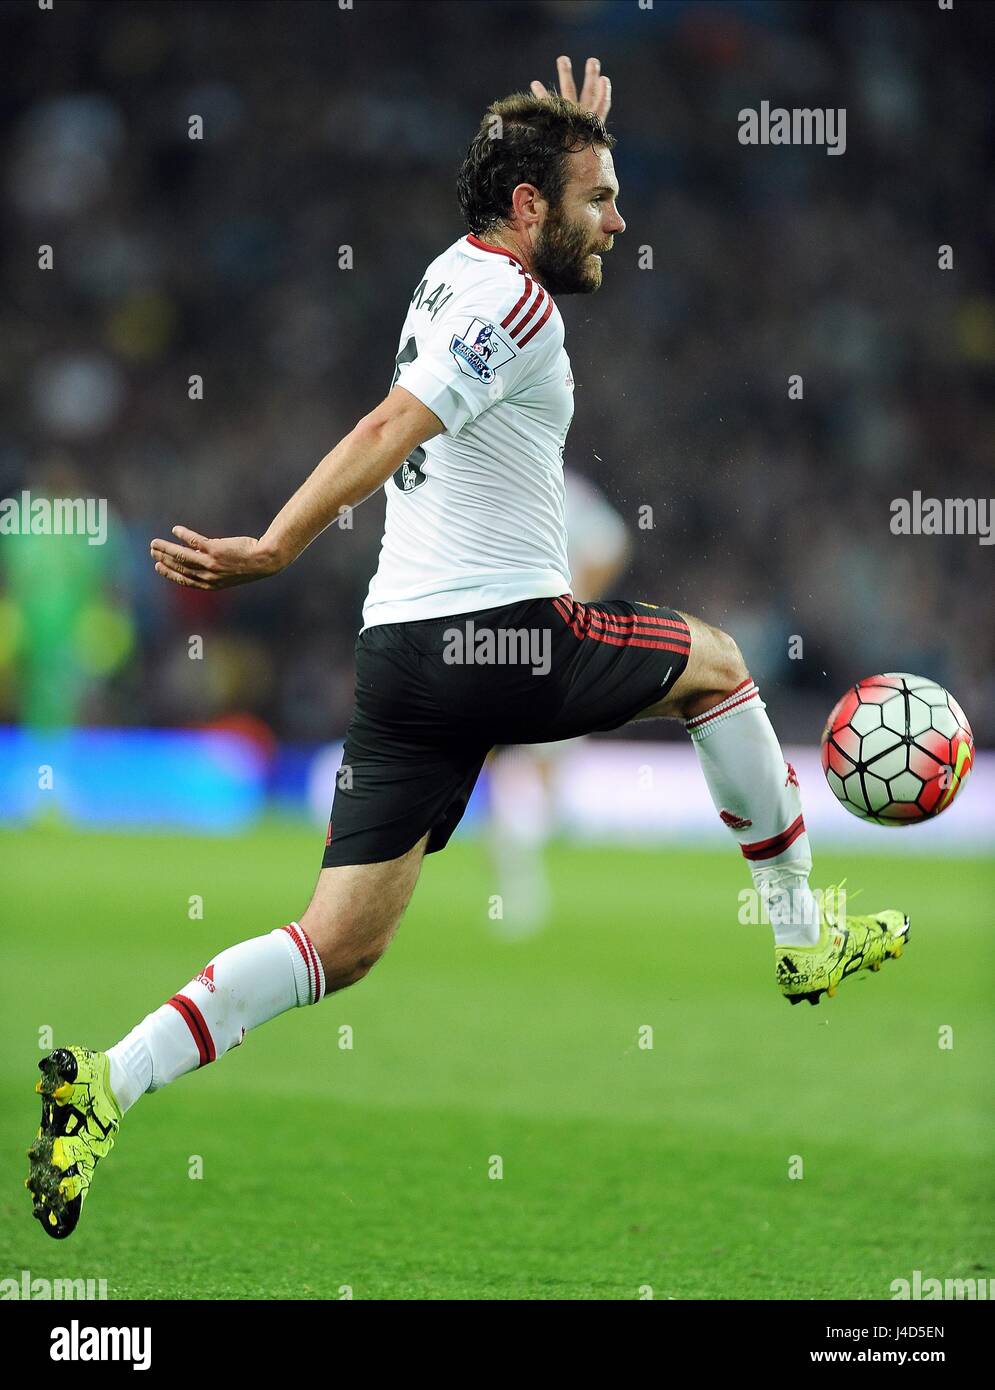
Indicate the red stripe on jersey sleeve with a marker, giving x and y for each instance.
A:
(533, 331)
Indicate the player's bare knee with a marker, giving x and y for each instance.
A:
(349, 968)
(349, 937)
(718, 668)
(730, 668)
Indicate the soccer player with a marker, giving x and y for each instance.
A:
(471, 636)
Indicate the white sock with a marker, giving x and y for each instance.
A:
(244, 986)
(756, 793)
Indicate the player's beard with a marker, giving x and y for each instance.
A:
(563, 257)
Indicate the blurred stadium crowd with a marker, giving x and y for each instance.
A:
(220, 258)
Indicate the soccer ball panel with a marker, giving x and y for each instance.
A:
(910, 682)
(878, 747)
(836, 761)
(854, 792)
(905, 787)
(894, 715)
(875, 793)
(935, 696)
(937, 745)
(841, 712)
(904, 812)
(875, 694)
(945, 721)
(836, 782)
(866, 719)
(932, 794)
(847, 740)
(923, 763)
(919, 716)
(960, 716)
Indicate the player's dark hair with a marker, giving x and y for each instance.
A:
(522, 139)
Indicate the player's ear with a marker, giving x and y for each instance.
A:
(528, 203)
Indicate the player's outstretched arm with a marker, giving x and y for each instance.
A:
(356, 467)
(596, 93)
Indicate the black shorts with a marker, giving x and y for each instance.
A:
(433, 697)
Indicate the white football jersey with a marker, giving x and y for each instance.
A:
(475, 516)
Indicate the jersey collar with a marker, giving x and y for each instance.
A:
(496, 250)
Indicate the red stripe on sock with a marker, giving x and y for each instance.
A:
(295, 934)
(316, 964)
(199, 1030)
(777, 844)
(699, 719)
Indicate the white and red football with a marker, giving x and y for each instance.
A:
(897, 749)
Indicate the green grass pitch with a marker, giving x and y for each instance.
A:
(326, 1169)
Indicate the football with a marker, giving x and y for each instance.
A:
(897, 749)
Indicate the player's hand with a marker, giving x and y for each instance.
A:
(201, 563)
(596, 94)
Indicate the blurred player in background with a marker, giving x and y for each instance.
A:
(64, 611)
(523, 779)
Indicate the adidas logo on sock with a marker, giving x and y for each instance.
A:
(206, 977)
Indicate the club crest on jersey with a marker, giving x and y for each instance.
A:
(480, 351)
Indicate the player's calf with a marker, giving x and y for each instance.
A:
(355, 912)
